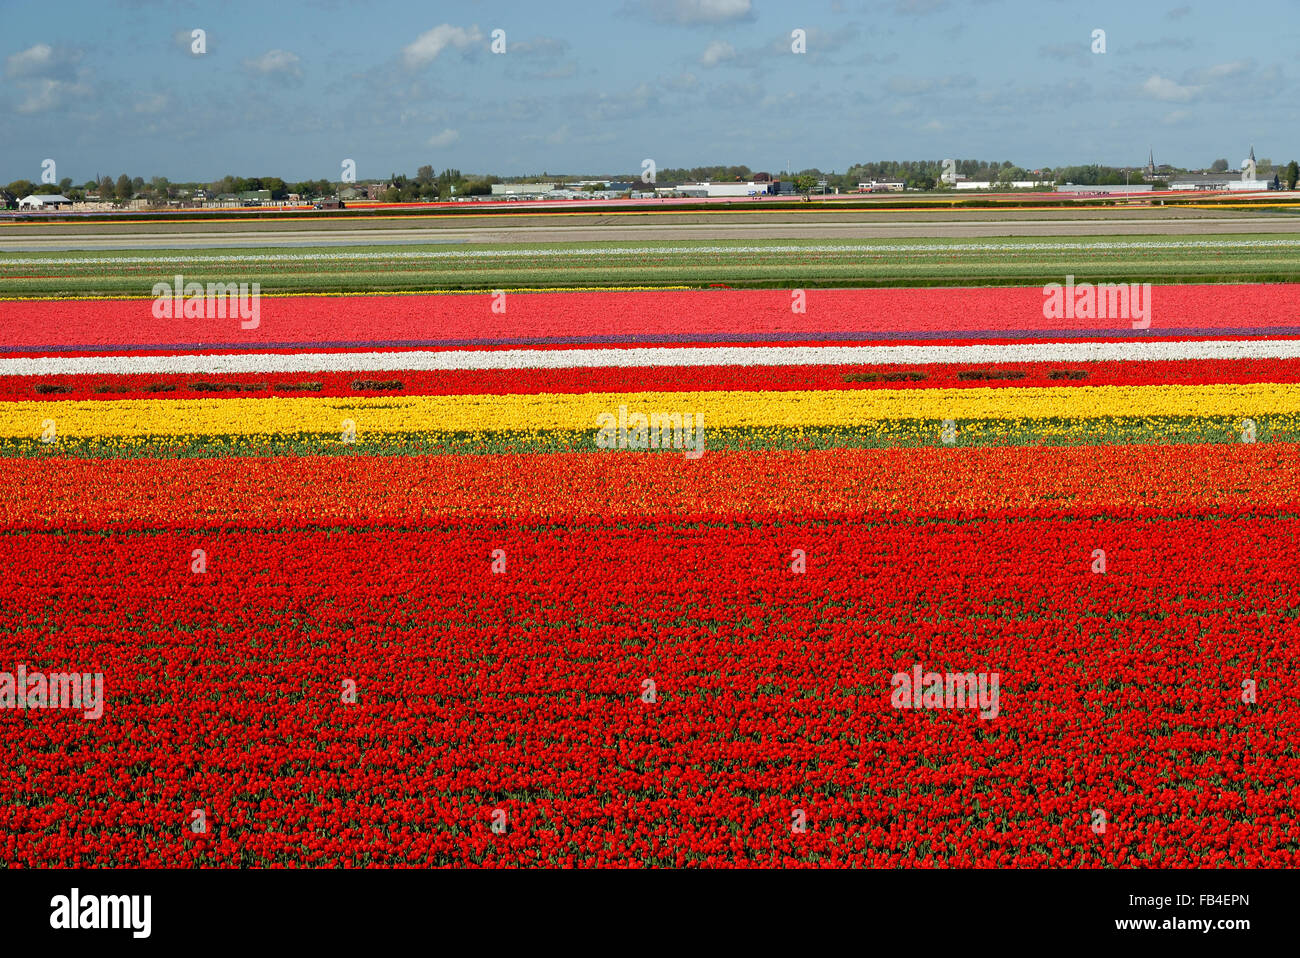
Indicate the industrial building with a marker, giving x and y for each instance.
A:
(725, 189)
(989, 184)
(1094, 188)
(521, 189)
(1217, 181)
(43, 201)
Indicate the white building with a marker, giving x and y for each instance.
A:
(988, 184)
(1216, 181)
(43, 201)
(1105, 188)
(521, 189)
(723, 189)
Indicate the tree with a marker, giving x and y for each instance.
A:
(424, 175)
(106, 190)
(805, 183)
(123, 188)
(20, 188)
(1292, 174)
(1219, 166)
(310, 189)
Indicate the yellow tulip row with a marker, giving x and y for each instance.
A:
(587, 411)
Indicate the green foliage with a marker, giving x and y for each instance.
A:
(805, 183)
(700, 174)
(1091, 175)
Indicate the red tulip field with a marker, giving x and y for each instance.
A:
(462, 631)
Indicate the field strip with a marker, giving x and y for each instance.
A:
(1057, 479)
(489, 232)
(123, 297)
(417, 360)
(157, 418)
(846, 247)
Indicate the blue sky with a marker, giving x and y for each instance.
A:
(294, 88)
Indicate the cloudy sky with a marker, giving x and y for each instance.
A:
(293, 88)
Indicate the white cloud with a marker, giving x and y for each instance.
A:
(41, 95)
(687, 12)
(1220, 70)
(33, 61)
(716, 52)
(42, 60)
(426, 47)
(445, 138)
(1162, 88)
(47, 76)
(275, 63)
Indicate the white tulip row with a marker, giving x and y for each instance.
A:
(417, 360)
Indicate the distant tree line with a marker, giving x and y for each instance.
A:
(701, 174)
(428, 184)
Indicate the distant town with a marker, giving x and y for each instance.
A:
(126, 192)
